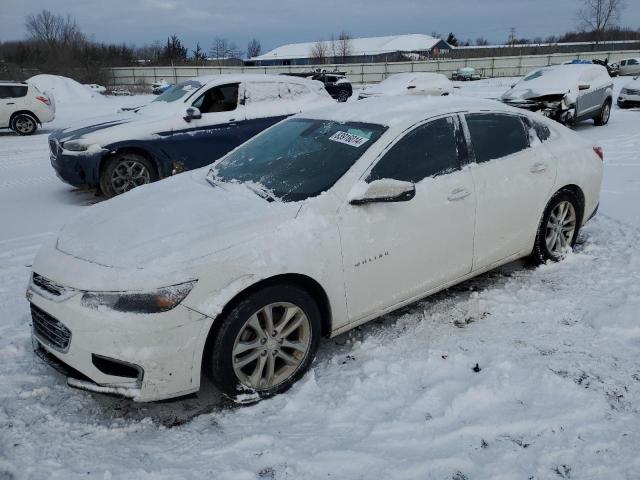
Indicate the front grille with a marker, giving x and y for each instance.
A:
(632, 92)
(50, 330)
(48, 285)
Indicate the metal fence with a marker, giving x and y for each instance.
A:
(369, 72)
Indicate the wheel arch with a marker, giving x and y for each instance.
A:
(304, 281)
(113, 151)
(576, 191)
(23, 112)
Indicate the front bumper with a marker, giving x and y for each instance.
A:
(628, 99)
(78, 169)
(164, 349)
(555, 110)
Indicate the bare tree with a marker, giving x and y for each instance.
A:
(223, 49)
(253, 48)
(54, 30)
(344, 46)
(598, 15)
(319, 52)
(198, 55)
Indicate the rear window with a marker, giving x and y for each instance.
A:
(13, 91)
(495, 135)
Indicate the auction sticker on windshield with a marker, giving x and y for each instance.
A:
(348, 138)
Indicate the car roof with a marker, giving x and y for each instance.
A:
(252, 77)
(13, 82)
(404, 110)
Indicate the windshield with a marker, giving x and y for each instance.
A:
(179, 91)
(298, 158)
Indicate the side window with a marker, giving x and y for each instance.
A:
(495, 135)
(427, 151)
(262, 92)
(223, 98)
(5, 92)
(623, 63)
(633, 61)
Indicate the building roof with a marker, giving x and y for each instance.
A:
(358, 46)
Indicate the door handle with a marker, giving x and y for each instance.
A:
(11, 103)
(458, 194)
(538, 167)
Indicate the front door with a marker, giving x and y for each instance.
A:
(202, 141)
(393, 252)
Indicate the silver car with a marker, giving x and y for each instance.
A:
(566, 93)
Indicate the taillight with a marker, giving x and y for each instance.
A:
(43, 99)
(599, 152)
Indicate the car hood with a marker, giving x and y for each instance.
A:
(171, 222)
(528, 92)
(115, 127)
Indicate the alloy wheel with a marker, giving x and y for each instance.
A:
(129, 174)
(271, 345)
(561, 227)
(24, 124)
(606, 111)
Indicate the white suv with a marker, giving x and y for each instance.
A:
(23, 107)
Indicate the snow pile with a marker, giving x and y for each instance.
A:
(65, 90)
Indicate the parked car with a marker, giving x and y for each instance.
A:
(23, 107)
(94, 87)
(630, 66)
(465, 74)
(613, 68)
(159, 87)
(418, 83)
(335, 83)
(630, 94)
(188, 126)
(566, 93)
(317, 225)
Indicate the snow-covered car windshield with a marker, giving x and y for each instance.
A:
(179, 91)
(298, 158)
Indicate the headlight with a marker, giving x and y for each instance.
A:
(624, 90)
(161, 300)
(75, 146)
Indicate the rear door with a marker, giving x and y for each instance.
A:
(513, 176)
(7, 106)
(590, 100)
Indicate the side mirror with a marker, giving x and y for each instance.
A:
(192, 113)
(383, 190)
(584, 86)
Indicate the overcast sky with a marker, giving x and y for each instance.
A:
(277, 22)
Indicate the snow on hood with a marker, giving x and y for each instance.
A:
(170, 222)
(557, 80)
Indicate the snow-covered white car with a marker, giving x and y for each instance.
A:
(159, 87)
(418, 83)
(629, 95)
(94, 87)
(630, 66)
(187, 127)
(465, 74)
(567, 93)
(23, 107)
(324, 221)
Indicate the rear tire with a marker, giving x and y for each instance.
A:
(558, 229)
(257, 352)
(124, 172)
(605, 113)
(24, 124)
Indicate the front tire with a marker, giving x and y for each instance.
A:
(343, 96)
(605, 113)
(124, 172)
(24, 124)
(265, 343)
(558, 229)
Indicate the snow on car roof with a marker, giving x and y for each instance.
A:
(397, 110)
(253, 77)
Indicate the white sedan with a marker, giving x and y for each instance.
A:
(323, 222)
(629, 95)
(417, 83)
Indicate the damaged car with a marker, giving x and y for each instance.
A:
(188, 126)
(566, 93)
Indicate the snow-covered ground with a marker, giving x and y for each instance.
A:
(558, 348)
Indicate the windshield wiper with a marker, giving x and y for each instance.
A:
(261, 191)
(210, 178)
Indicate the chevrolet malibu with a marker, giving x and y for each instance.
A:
(319, 224)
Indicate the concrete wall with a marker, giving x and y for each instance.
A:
(369, 72)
